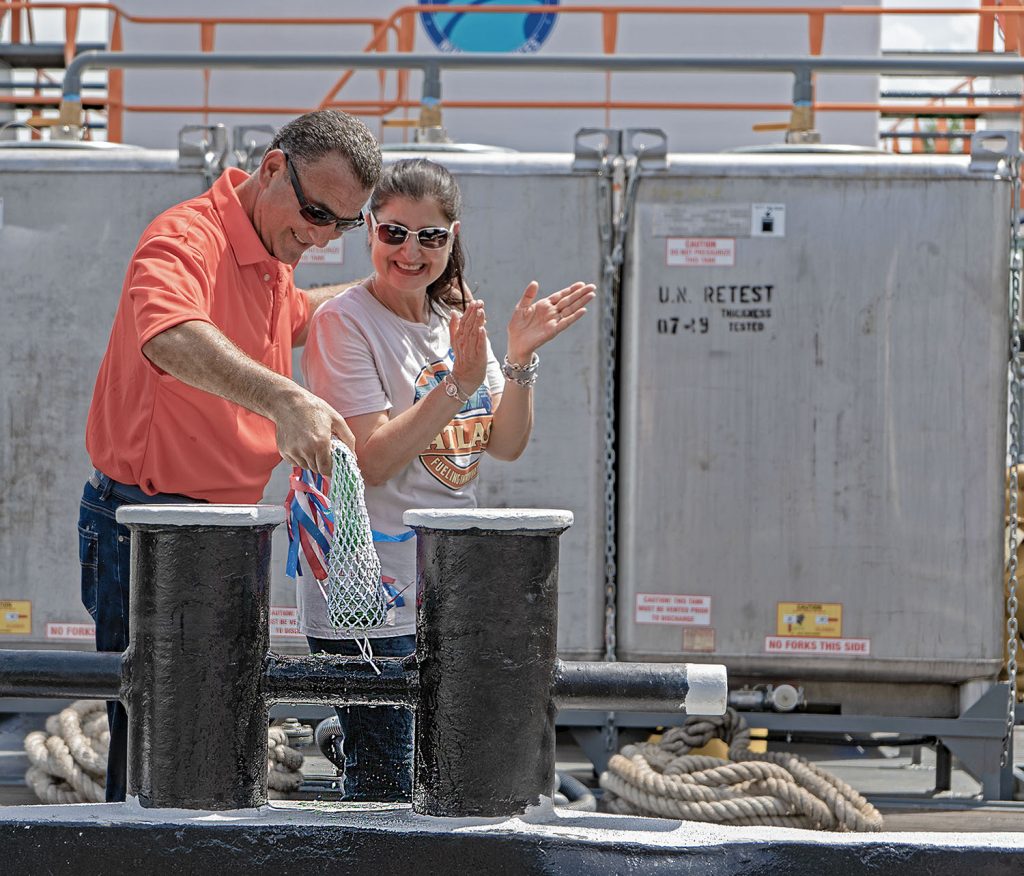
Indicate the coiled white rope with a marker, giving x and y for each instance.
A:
(283, 762)
(774, 788)
(68, 762)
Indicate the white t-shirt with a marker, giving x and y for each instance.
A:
(360, 357)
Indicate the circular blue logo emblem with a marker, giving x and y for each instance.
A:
(483, 32)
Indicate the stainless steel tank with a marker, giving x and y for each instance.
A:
(530, 217)
(813, 429)
(72, 217)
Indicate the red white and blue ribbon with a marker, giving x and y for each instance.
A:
(311, 526)
(310, 523)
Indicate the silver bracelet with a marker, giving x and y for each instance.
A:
(522, 375)
(453, 390)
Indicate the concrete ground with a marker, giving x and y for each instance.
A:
(899, 783)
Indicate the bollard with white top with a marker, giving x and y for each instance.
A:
(490, 681)
(200, 604)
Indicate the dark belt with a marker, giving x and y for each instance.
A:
(134, 494)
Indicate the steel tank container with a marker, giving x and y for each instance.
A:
(72, 218)
(72, 215)
(813, 423)
(529, 216)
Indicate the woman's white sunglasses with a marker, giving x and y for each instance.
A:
(394, 234)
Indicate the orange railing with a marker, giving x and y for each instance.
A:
(397, 33)
(21, 10)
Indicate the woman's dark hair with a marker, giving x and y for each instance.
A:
(418, 179)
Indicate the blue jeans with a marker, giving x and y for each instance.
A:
(104, 550)
(377, 740)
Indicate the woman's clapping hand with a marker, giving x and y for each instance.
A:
(535, 321)
(468, 334)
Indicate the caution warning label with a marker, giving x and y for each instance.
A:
(16, 617)
(673, 608)
(332, 254)
(700, 252)
(284, 622)
(810, 619)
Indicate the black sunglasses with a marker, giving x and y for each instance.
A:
(394, 234)
(314, 212)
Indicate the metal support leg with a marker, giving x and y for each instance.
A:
(943, 768)
(980, 755)
(200, 603)
(595, 746)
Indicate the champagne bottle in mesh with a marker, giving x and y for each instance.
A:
(356, 600)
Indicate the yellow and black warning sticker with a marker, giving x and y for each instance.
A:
(16, 617)
(823, 619)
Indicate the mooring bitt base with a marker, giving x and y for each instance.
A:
(309, 837)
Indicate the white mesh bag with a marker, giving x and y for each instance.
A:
(356, 600)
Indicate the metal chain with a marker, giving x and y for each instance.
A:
(619, 179)
(1014, 454)
(609, 190)
(625, 175)
(609, 194)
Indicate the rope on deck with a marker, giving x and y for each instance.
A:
(774, 788)
(68, 762)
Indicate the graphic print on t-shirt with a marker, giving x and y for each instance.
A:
(454, 455)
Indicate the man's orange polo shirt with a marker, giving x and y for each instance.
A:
(199, 260)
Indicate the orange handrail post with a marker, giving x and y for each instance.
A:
(207, 37)
(609, 31)
(986, 31)
(380, 39)
(70, 33)
(405, 37)
(16, 14)
(1011, 32)
(816, 40)
(609, 39)
(816, 31)
(115, 87)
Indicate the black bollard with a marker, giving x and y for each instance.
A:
(487, 596)
(200, 602)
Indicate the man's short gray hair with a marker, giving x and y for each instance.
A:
(315, 135)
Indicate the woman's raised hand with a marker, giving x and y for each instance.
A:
(536, 321)
(468, 335)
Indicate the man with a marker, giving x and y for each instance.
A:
(194, 399)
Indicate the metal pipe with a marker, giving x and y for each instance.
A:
(49, 55)
(329, 679)
(60, 674)
(696, 689)
(486, 629)
(483, 61)
(46, 86)
(200, 606)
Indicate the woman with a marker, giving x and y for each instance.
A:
(405, 358)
